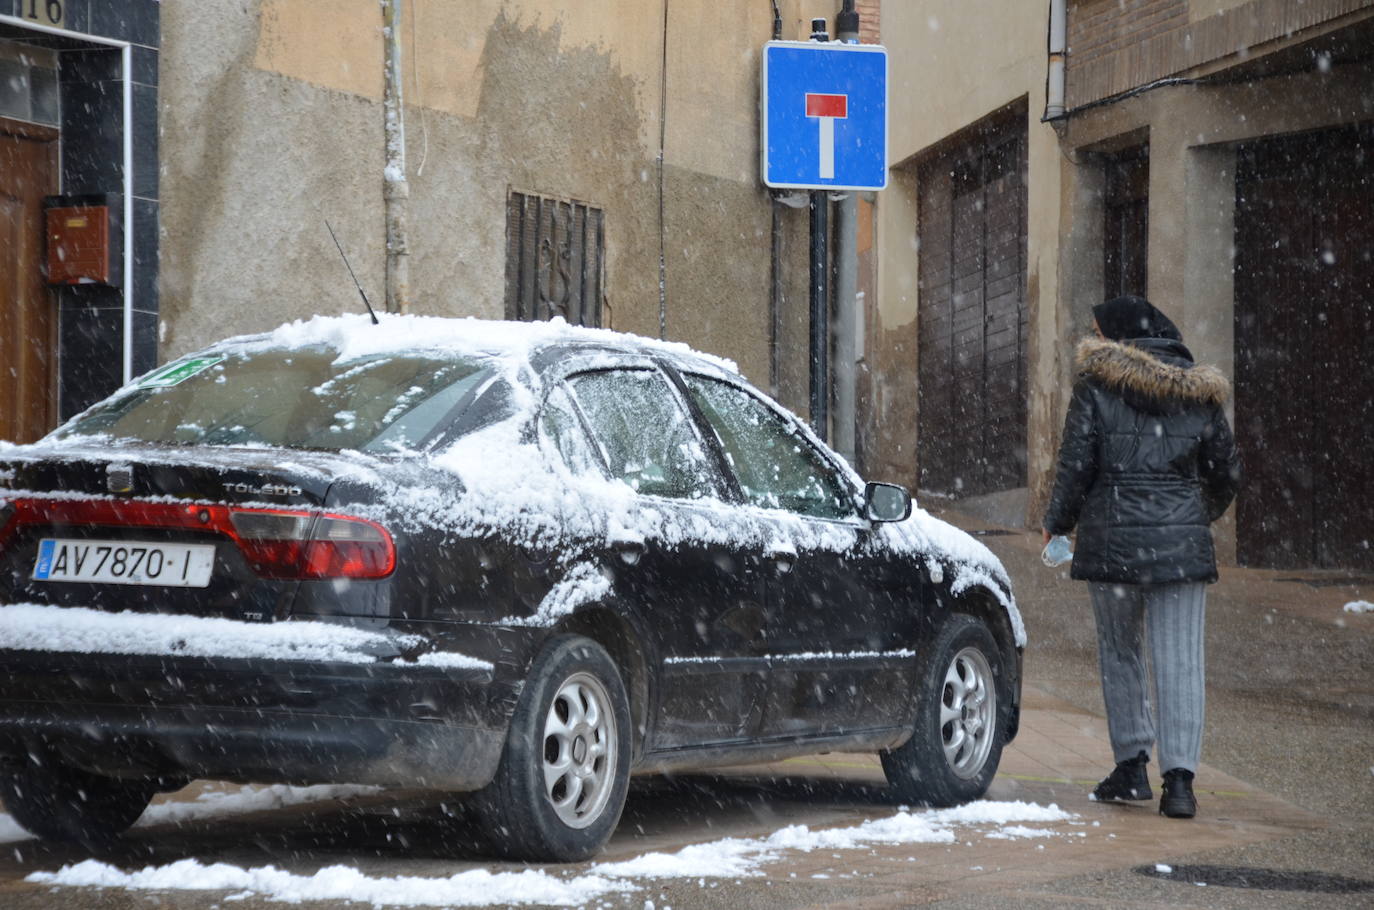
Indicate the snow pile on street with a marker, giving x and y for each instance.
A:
(474, 888)
(1359, 606)
(726, 858)
(219, 803)
(35, 627)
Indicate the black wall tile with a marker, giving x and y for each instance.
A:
(145, 141)
(95, 65)
(145, 342)
(144, 65)
(128, 20)
(145, 255)
(92, 137)
(91, 349)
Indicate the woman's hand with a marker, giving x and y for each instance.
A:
(1045, 538)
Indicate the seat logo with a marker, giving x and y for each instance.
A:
(119, 478)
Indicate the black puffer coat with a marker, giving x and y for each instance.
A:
(1146, 464)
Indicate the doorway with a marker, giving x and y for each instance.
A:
(971, 384)
(28, 345)
(1304, 316)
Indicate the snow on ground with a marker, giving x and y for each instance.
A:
(726, 858)
(217, 803)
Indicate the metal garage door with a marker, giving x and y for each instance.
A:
(971, 422)
(1304, 343)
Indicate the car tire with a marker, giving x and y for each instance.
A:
(59, 803)
(961, 712)
(565, 768)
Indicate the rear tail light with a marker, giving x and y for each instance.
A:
(277, 543)
(281, 544)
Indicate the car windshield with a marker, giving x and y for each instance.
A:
(300, 398)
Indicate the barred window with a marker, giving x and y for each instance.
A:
(554, 255)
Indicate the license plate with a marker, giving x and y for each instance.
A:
(124, 562)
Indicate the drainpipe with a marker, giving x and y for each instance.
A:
(395, 190)
(1058, 49)
(846, 283)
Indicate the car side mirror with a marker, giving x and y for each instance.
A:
(886, 502)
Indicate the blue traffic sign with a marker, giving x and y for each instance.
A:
(824, 116)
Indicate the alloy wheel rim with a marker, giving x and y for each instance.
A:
(579, 750)
(968, 706)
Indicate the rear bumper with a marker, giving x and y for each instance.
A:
(256, 720)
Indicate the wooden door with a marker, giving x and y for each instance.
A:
(971, 418)
(1304, 342)
(28, 310)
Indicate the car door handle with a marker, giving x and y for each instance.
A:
(629, 550)
(784, 559)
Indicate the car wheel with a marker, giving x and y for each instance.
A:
(561, 783)
(954, 751)
(60, 803)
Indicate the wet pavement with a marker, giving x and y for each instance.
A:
(1286, 791)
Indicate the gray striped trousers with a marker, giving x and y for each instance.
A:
(1172, 616)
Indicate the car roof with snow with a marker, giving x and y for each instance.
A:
(512, 346)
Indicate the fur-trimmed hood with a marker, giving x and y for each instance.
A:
(1151, 372)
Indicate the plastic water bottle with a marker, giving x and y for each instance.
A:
(1057, 551)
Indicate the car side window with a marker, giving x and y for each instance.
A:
(562, 427)
(776, 468)
(648, 438)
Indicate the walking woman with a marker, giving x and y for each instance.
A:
(1147, 462)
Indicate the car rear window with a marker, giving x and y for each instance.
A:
(300, 398)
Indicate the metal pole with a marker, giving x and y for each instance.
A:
(395, 190)
(846, 284)
(820, 315)
(775, 267)
(820, 292)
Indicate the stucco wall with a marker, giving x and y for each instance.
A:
(953, 62)
(272, 122)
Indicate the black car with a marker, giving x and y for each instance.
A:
(522, 561)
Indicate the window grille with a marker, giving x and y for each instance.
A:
(555, 252)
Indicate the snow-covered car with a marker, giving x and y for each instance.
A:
(521, 561)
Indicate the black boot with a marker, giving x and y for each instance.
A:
(1178, 800)
(1127, 781)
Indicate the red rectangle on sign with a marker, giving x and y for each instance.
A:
(827, 105)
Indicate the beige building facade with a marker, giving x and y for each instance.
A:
(638, 120)
(563, 157)
(601, 162)
(1213, 155)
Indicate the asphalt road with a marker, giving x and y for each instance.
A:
(1287, 793)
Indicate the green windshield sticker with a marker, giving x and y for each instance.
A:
(179, 372)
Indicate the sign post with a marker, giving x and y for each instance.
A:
(823, 119)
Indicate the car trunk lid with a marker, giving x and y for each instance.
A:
(205, 532)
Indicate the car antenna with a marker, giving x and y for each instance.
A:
(356, 283)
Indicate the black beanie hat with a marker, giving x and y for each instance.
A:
(1127, 317)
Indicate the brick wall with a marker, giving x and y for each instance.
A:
(1100, 28)
(1117, 45)
(870, 19)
